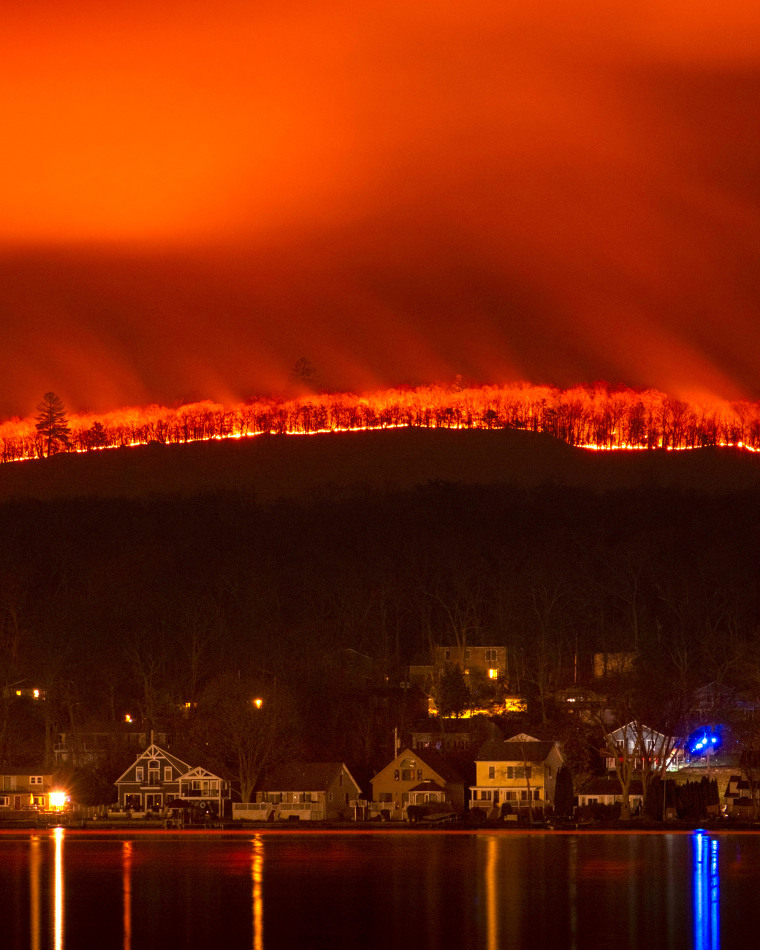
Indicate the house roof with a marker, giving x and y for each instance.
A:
(445, 727)
(610, 786)
(28, 770)
(303, 777)
(430, 758)
(154, 752)
(502, 750)
(428, 786)
(198, 773)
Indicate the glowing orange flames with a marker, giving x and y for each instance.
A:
(587, 417)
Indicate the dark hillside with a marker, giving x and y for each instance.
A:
(290, 466)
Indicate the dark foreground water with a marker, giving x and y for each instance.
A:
(412, 891)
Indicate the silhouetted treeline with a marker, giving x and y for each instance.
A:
(583, 416)
(116, 606)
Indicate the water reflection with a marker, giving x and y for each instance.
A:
(706, 894)
(34, 892)
(492, 891)
(126, 888)
(492, 925)
(257, 875)
(58, 894)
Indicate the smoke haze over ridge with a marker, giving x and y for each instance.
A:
(193, 197)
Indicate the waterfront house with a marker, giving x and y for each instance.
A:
(742, 800)
(605, 790)
(308, 791)
(27, 789)
(151, 781)
(158, 780)
(416, 777)
(644, 748)
(521, 772)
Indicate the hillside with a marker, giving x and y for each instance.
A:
(272, 467)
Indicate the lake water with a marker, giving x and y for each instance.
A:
(416, 890)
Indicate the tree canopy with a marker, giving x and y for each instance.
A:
(51, 424)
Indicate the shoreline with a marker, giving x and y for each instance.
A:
(356, 832)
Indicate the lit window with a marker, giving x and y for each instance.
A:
(493, 674)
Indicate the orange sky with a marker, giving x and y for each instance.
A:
(193, 195)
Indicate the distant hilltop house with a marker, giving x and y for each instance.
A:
(158, 781)
(491, 662)
(82, 749)
(23, 690)
(612, 664)
(484, 669)
(520, 772)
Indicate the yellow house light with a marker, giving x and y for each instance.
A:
(258, 703)
(127, 718)
(58, 800)
(493, 674)
(36, 694)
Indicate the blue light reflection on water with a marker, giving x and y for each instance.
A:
(486, 892)
(706, 891)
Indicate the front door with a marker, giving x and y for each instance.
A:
(153, 800)
(496, 797)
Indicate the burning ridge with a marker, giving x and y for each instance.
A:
(592, 417)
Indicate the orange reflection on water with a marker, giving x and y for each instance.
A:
(34, 893)
(126, 878)
(492, 920)
(257, 875)
(58, 890)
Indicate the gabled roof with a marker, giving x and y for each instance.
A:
(498, 750)
(199, 772)
(429, 757)
(154, 752)
(303, 777)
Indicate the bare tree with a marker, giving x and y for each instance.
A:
(247, 727)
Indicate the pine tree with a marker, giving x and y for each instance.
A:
(51, 423)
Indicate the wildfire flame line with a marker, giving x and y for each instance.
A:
(595, 417)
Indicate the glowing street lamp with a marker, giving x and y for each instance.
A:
(258, 703)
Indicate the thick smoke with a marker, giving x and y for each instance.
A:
(196, 195)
